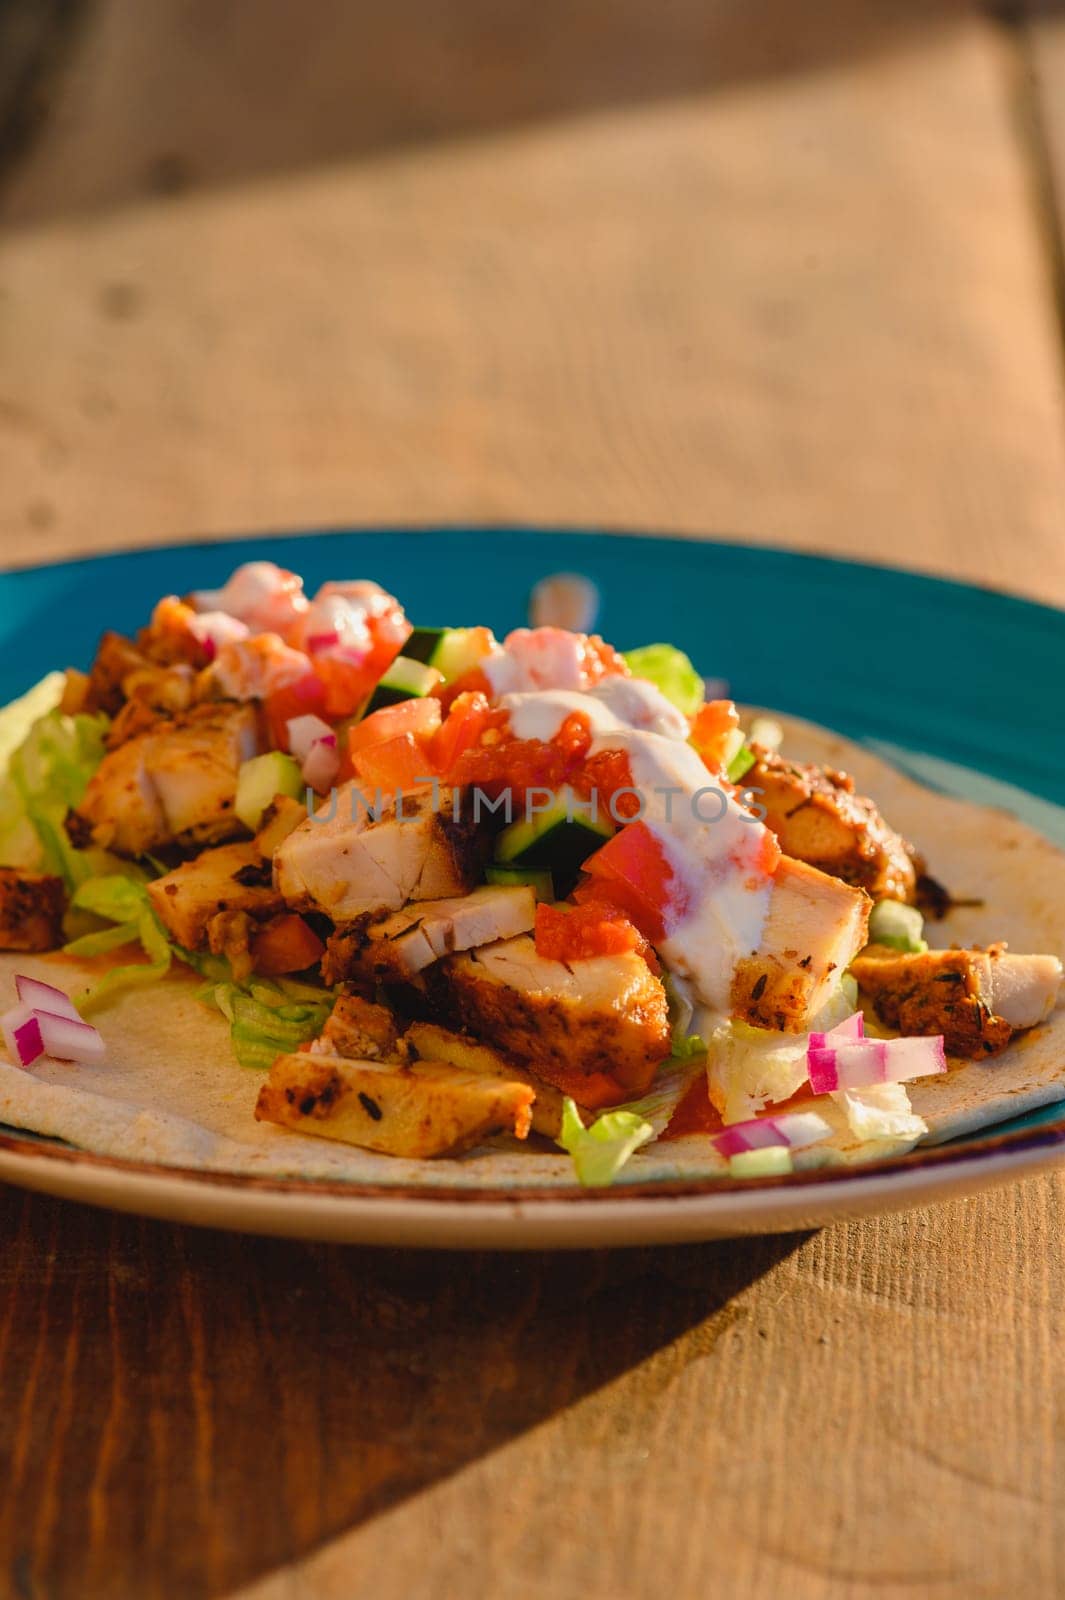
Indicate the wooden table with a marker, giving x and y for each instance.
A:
(790, 273)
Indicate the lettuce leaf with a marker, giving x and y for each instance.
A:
(600, 1152)
(266, 1018)
(49, 761)
(670, 671)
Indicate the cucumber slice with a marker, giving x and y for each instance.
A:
(899, 926)
(452, 651)
(769, 1162)
(404, 680)
(260, 779)
(551, 840)
(540, 882)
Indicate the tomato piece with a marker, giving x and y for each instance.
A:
(696, 1113)
(459, 732)
(300, 699)
(711, 727)
(569, 933)
(285, 944)
(591, 1090)
(419, 717)
(396, 766)
(635, 866)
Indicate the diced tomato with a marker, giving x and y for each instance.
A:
(711, 727)
(568, 933)
(606, 775)
(398, 765)
(300, 699)
(419, 717)
(696, 1113)
(460, 730)
(285, 944)
(500, 761)
(635, 867)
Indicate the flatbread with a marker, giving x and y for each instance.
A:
(170, 1091)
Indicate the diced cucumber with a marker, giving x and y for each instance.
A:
(404, 680)
(671, 672)
(552, 840)
(260, 779)
(452, 651)
(540, 882)
(899, 926)
(768, 1162)
(739, 758)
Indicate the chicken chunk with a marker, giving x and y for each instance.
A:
(229, 879)
(31, 910)
(595, 1019)
(347, 863)
(433, 1043)
(819, 819)
(358, 1029)
(977, 999)
(418, 1111)
(175, 782)
(814, 926)
(404, 943)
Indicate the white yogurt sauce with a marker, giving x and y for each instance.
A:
(712, 844)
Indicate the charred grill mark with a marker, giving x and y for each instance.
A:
(256, 875)
(370, 1106)
(759, 988)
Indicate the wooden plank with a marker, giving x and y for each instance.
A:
(809, 308)
(1044, 33)
(874, 1410)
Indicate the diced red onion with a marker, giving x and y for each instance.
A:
(215, 628)
(41, 996)
(22, 1035)
(852, 1027)
(863, 1062)
(321, 641)
(793, 1129)
(305, 731)
(322, 763)
(68, 1040)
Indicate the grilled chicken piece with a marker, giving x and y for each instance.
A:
(229, 879)
(282, 816)
(432, 1043)
(175, 782)
(977, 999)
(600, 1015)
(819, 819)
(814, 927)
(417, 1111)
(358, 1028)
(116, 658)
(31, 910)
(345, 863)
(406, 942)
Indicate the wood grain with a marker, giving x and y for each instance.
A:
(809, 307)
(779, 271)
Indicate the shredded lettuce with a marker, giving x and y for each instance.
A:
(670, 671)
(600, 1152)
(749, 1067)
(268, 1019)
(49, 761)
(880, 1111)
(685, 1046)
(123, 901)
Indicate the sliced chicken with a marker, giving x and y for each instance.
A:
(417, 1111)
(360, 1029)
(819, 819)
(406, 942)
(232, 878)
(815, 925)
(596, 1021)
(433, 1043)
(175, 782)
(31, 910)
(345, 863)
(977, 999)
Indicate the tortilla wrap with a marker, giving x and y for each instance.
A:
(170, 1091)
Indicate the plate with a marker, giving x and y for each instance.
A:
(960, 692)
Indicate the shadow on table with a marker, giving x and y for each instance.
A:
(113, 101)
(234, 1402)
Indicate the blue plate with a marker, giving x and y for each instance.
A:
(962, 687)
